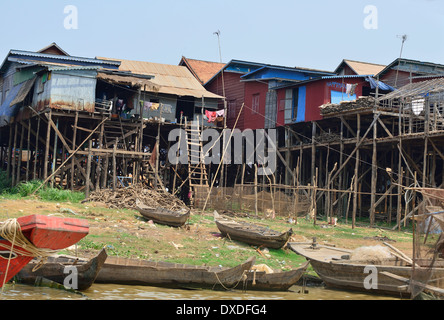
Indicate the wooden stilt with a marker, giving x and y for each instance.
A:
(46, 158)
(28, 150)
(355, 197)
(10, 148)
(14, 157)
(20, 154)
(88, 170)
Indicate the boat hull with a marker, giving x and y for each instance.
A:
(279, 281)
(257, 236)
(10, 267)
(55, 269)
(369, 278)
(170, 275)
(163, 216)
(46, 232)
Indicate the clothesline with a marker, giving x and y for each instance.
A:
(165, 108)
(213, 115)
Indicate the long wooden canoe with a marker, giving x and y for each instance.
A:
(333, 267)
(277, 281)
(251, 233)
(163, 216)
(55, 270)
(125, 271)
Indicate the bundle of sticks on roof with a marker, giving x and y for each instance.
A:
(125, 198)
(360, 103)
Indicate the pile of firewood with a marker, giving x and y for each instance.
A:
(358, 104)
(125, 198)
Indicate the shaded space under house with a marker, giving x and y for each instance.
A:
(357, 160)
(90, 123)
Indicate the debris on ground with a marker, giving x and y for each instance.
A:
(125, 198)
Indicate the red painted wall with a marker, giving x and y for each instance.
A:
(390, 78)
(251, 119)
(317, 93)
(234, 93)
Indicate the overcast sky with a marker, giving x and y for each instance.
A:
(312, 34)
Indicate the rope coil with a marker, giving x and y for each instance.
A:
(11, 231)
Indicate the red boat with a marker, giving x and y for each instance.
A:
(43, 232)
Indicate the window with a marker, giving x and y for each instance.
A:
(231, 109)
(338, 96)
(255, 103)
(288, 103)
(295, 104)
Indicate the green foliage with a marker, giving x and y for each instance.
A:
(26, 189)
(5, 182)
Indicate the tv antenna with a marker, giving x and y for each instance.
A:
(404, 39)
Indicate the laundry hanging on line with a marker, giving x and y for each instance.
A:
(211, 115)
(153, 106)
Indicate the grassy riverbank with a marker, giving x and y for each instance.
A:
(125, 233)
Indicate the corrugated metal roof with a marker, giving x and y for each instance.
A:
(66, 58)
(127, 80)
(348, 76)
(170, 79)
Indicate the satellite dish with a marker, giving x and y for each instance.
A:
(418, 106)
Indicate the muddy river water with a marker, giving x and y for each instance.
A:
(121, 292)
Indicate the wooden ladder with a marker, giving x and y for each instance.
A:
(197, 172)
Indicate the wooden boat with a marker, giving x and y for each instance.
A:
(336, 270)
(54, 269)
(277, 281)
(124, 271)
(251, 233)
(22, 238)
(163, 216)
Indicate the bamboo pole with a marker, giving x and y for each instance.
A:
(10, 148)
(19, 158)
(28, 147)
(115, 165)
(223, 155)
(355, 197)
(14, 159)
(74, 137)
(88, 170)
(48, 136)
(255, 189)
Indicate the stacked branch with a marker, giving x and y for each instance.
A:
(361, 103)
(125, 198)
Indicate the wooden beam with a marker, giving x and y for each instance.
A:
(385, 128)
(347, 125)
(57, 131)
(360, 141)
(69, 158)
